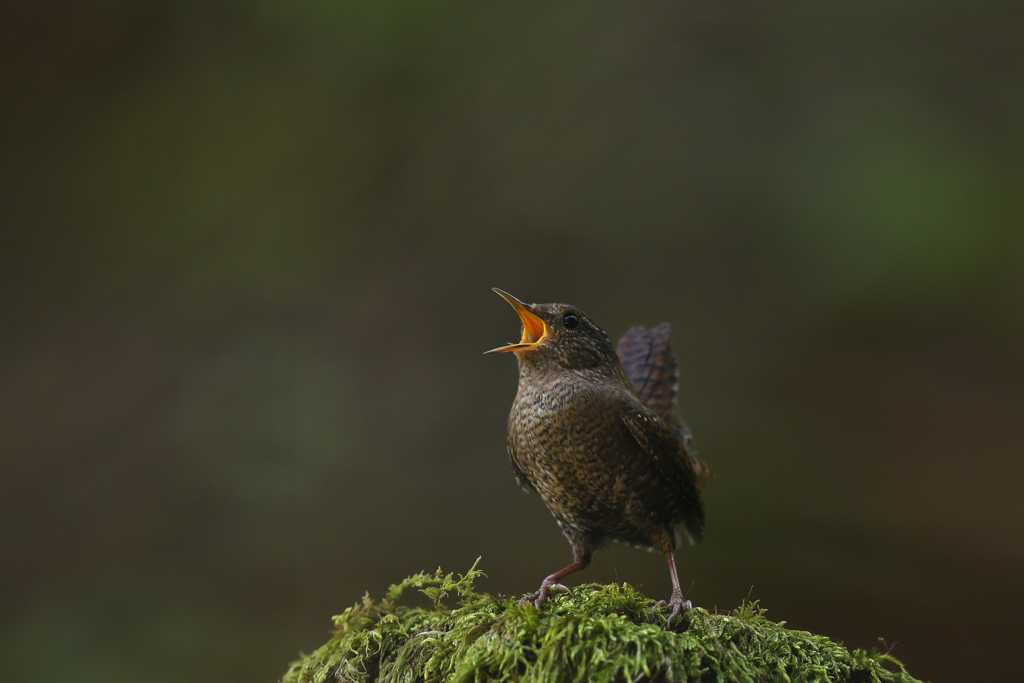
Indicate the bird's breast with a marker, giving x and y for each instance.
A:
(572, 445)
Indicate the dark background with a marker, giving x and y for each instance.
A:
(245, 266)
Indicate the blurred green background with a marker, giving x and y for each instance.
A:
(246, 261)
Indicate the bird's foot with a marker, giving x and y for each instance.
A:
(678, 606)
(537, 599)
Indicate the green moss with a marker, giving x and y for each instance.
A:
(597, 633)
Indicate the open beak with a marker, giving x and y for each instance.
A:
(535, 330)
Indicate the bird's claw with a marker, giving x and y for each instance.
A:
(678, 606)
(540, 597)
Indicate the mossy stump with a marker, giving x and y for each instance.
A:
(597, 633)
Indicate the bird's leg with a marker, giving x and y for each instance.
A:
(676, 602)
(580, 561)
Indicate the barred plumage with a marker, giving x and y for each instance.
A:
(600, 439)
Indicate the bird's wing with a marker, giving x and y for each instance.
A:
(523, 482)
(659, 441)
(653, 370)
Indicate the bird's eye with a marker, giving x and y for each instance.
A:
(571, 321)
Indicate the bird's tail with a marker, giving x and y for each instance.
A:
(653, 370)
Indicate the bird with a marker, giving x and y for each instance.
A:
(595, 431)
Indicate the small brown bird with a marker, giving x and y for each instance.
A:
(597, 435)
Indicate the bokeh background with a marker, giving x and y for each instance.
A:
(246, 261)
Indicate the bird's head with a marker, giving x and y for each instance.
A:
(558, 334)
